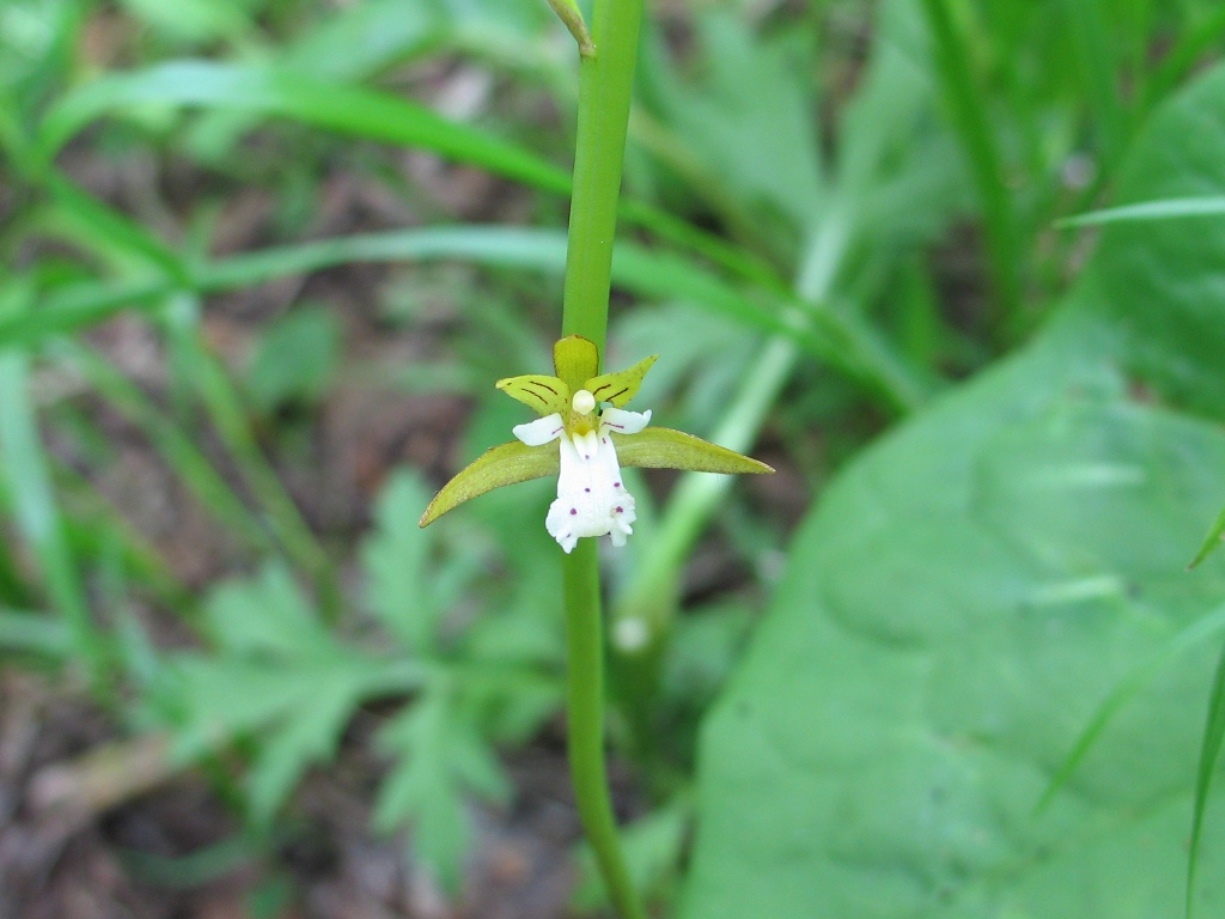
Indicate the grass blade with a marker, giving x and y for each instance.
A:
(175, 447)
(349, 110)
(1210, 751)
(38, 518)
(231, 420)
(1165, 209)
(34, 633)
(967, 104)
(1200, 630)
(358, 112)
(1211, 541)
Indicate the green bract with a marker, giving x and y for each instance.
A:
(582, 409)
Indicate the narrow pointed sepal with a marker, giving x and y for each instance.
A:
(506, 464)
(664, 448)
(618, 388)
(575, 360)
(543, 394)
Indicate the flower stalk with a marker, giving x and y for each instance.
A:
(584, 435)
(606, 80)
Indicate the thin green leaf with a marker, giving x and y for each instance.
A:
(29, 482)
(229, 415)
(1210, 751)
(664, 448)
(1166, 209)
(1211, 541)
(1200, 630)
(175, 447)
(354, 111)
(34, 633)
(110, 227)
(289, 94)
(506, 464)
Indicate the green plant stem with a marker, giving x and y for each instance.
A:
(605, 87)
(585, 714)
(970, 118)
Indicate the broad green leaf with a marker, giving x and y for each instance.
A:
(970, 592)
(1160, 279)
(963, 598)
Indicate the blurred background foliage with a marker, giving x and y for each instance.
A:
(260, 264)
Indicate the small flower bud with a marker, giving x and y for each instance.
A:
(583, 402)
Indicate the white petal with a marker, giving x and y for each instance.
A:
(591, 498)
(622, 422)
(587, 444)
(541, 431)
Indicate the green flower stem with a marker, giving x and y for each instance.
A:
(605, 87)
(585, 713)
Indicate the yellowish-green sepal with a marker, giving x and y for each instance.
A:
(503, 465)
(576, 360)
(664, 448)
(544, 394)
(618, 388)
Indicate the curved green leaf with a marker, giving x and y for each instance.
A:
(664, 448)
(507, 464)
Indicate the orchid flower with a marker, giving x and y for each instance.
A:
(584, 436)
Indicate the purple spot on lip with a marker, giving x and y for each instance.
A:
(573, 511)
(616, 484)
(620, 510)
(588, 490)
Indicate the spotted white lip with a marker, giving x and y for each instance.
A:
(592, 500)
